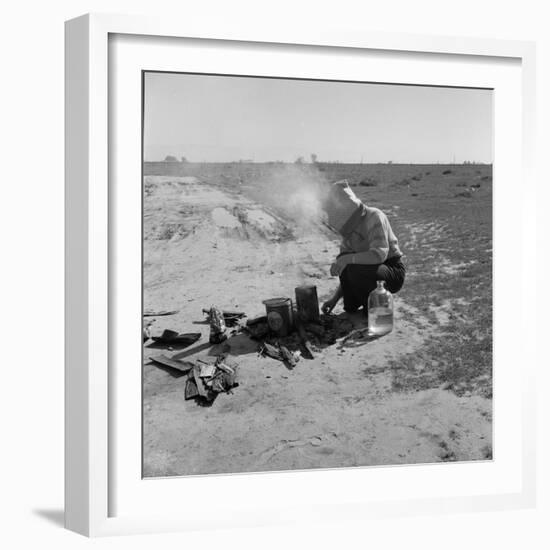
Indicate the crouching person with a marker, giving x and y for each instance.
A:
(369, 251)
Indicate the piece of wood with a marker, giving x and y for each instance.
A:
(225, 368)
(207, 371)
(230, 313)
(308, 350)
(191, 390)
(231, 318)
(272, 351)
(182, 339)
(151, 313)
(288, 357)
(201, 387)
(183, 366)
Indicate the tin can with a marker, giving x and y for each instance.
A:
(307, 303)
(279, 315)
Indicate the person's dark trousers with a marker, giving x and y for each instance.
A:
(358, 281)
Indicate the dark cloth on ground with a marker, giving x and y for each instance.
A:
(358, 281)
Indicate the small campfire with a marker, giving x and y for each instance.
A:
(286, 333)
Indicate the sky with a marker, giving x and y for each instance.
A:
(229, 118)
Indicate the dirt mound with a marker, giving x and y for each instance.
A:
(175, 208)
(251, 223)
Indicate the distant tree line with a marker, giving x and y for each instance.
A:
(172, 158)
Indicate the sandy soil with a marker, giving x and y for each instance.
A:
(206, 245)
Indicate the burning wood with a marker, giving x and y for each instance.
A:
(280, 353)
(290, 359)
(306, 345)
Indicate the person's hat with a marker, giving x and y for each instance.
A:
(341, 203)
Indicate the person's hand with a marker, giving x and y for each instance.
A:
(338, 266)
(336, 269)
(328, 306)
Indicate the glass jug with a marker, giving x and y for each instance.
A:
(380, 310)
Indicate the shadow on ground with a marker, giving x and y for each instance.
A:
(53, 516)
(343, 331)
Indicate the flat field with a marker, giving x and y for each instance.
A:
(216, 234)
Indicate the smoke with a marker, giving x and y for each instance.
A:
(295, 191)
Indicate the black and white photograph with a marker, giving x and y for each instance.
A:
(317, 274)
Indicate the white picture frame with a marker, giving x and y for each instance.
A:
(92, 398)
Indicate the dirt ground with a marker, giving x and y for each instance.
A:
(207, 243)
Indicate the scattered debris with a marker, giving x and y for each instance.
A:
(207, 370)
(200, 384)
(271, 351)
(256, 320)
(222, 382)
(168, 335)
(206, 380)
(191, 390)
(306, 345)
(183, 366)
(358, 333)
(152, 313)
(280, 353)
(147, 330)
(257, 328)
(225, 368)
(290, 359)
(231, 318)
(218, 331)
(172, 337)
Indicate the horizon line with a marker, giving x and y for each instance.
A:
(250, 161)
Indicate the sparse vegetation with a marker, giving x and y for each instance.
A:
(368, 182)
(434, 231)
(434, 370)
